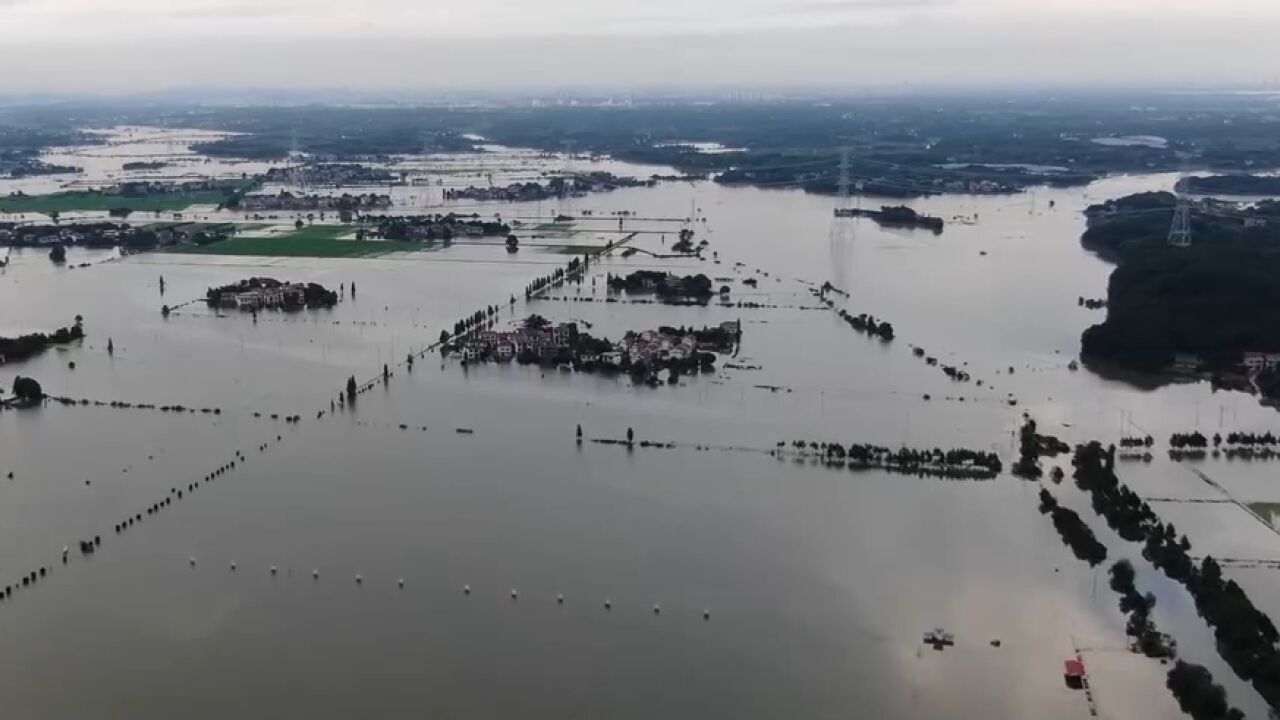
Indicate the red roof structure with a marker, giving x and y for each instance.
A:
(1074, 668)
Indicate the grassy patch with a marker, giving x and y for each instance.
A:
(294, 246)
(553, 227)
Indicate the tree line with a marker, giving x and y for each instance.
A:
(1246, 637)
(26, 346)
(1074, 532)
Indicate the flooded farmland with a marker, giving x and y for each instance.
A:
(372, 558)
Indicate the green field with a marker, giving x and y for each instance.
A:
(553, 227)
(315, 241)
(572, 249)
(87, 200)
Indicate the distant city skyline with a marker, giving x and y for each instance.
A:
(130, 46)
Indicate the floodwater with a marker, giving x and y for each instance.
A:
(818, 583)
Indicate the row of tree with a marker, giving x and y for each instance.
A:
(25, 346)
(1149, 641)
(955, 462)
(868, 325)
(1189, 440)
(575, 269)
(1031, 446)
(1075, 533)
(477, 319)
(1246, 637)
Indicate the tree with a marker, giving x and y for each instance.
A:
(386, 373)
(579, 432)
(58, 254)
(27, 390)
(297, 224)
(351, 389)
(513, 243)
(631, 435)
(111, 347)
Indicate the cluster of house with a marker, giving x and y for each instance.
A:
(432, 231)
(1252, 362)
(1256, 362)
(649, 346)
(144, 188)
(507, 344)
(286, 200)
(67, 235)
(336, 174)
(529, 191)
(577, 185)
(265, 297)
(974, 186)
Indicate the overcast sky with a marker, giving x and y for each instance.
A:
(116, 46)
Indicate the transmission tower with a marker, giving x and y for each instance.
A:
(843, 182)
(840, 235)
(1180, 230)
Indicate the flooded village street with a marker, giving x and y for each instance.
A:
(371, 557)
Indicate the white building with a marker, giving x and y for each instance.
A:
(1259, 361)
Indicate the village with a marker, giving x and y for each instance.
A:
(286, 200)
(112, 234)
(641, 354)
(330, 174)
(434, 227)
(577, 185)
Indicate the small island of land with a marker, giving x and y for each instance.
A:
(640, 354)
(896, 216)
(145, 165)
(666, 286)
(261, 293)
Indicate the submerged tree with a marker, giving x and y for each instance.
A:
(27, 390)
